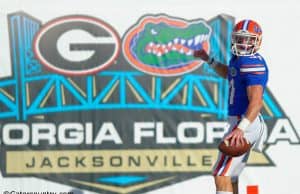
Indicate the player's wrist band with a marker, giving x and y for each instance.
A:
(244, 124)
(212, 62)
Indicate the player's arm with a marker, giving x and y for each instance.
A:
(255, 96)
(220, 68)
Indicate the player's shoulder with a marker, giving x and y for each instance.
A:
(254, 64)
(253, 59)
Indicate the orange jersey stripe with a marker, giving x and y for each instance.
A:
(255, 72)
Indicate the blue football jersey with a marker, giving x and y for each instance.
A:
(244, 71)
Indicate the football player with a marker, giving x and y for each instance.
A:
(247, 74)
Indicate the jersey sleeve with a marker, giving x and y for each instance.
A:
(254, 74)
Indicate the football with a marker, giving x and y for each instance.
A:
(234, 151)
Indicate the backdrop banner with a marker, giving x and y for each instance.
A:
(120, 107)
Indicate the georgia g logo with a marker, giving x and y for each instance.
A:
(76, 45)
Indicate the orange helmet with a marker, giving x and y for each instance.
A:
(246, 38)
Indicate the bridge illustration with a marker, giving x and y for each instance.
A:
(32, 91)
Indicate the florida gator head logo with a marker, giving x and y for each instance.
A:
(163, 45)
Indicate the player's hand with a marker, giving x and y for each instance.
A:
(201, 54)
(236, 137)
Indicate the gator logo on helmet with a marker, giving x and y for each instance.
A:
(164, 45)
